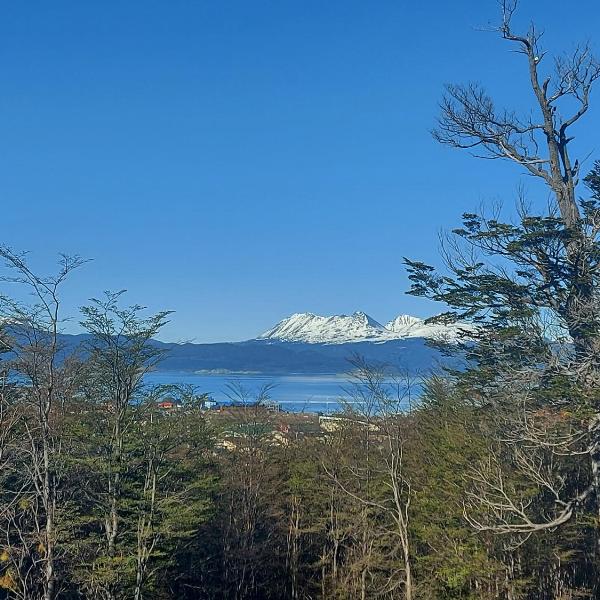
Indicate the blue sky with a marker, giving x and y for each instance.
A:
(239, 161)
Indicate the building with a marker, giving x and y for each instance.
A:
(168, 404)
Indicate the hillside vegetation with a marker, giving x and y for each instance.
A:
(486, 487)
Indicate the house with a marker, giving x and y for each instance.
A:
(168, 404)
(208, 403)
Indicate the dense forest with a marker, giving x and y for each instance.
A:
(484, 484)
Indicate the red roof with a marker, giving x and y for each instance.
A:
(167, 404)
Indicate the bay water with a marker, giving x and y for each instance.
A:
(294, 393)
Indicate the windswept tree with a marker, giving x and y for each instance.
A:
(554, 255)
(532, 288)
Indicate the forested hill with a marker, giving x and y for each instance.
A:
(414, 356)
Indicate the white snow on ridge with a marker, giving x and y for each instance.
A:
(307, 327)
(403, 324)
(358, 327)
(406, 326)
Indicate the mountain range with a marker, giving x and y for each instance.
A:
(309, 343)
(359, 327)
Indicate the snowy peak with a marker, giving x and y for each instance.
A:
(358, 327)
(403, 323)
(407, 326)
(362, 319)
(336, 329)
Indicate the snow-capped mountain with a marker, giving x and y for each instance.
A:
(358, 327)
(406, 326)
(403, 324)
(337, 329)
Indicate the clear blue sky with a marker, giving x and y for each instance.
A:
(237, 161)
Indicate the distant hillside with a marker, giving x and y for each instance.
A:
(413, 355)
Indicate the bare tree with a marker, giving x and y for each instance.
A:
(248, 527)
(45, 381)
(380, 411)
(540, 144)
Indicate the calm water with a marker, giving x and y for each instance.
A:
(296, 393)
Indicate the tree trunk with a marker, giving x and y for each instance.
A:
(408, 583)
(594, 451)
(48, 494)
